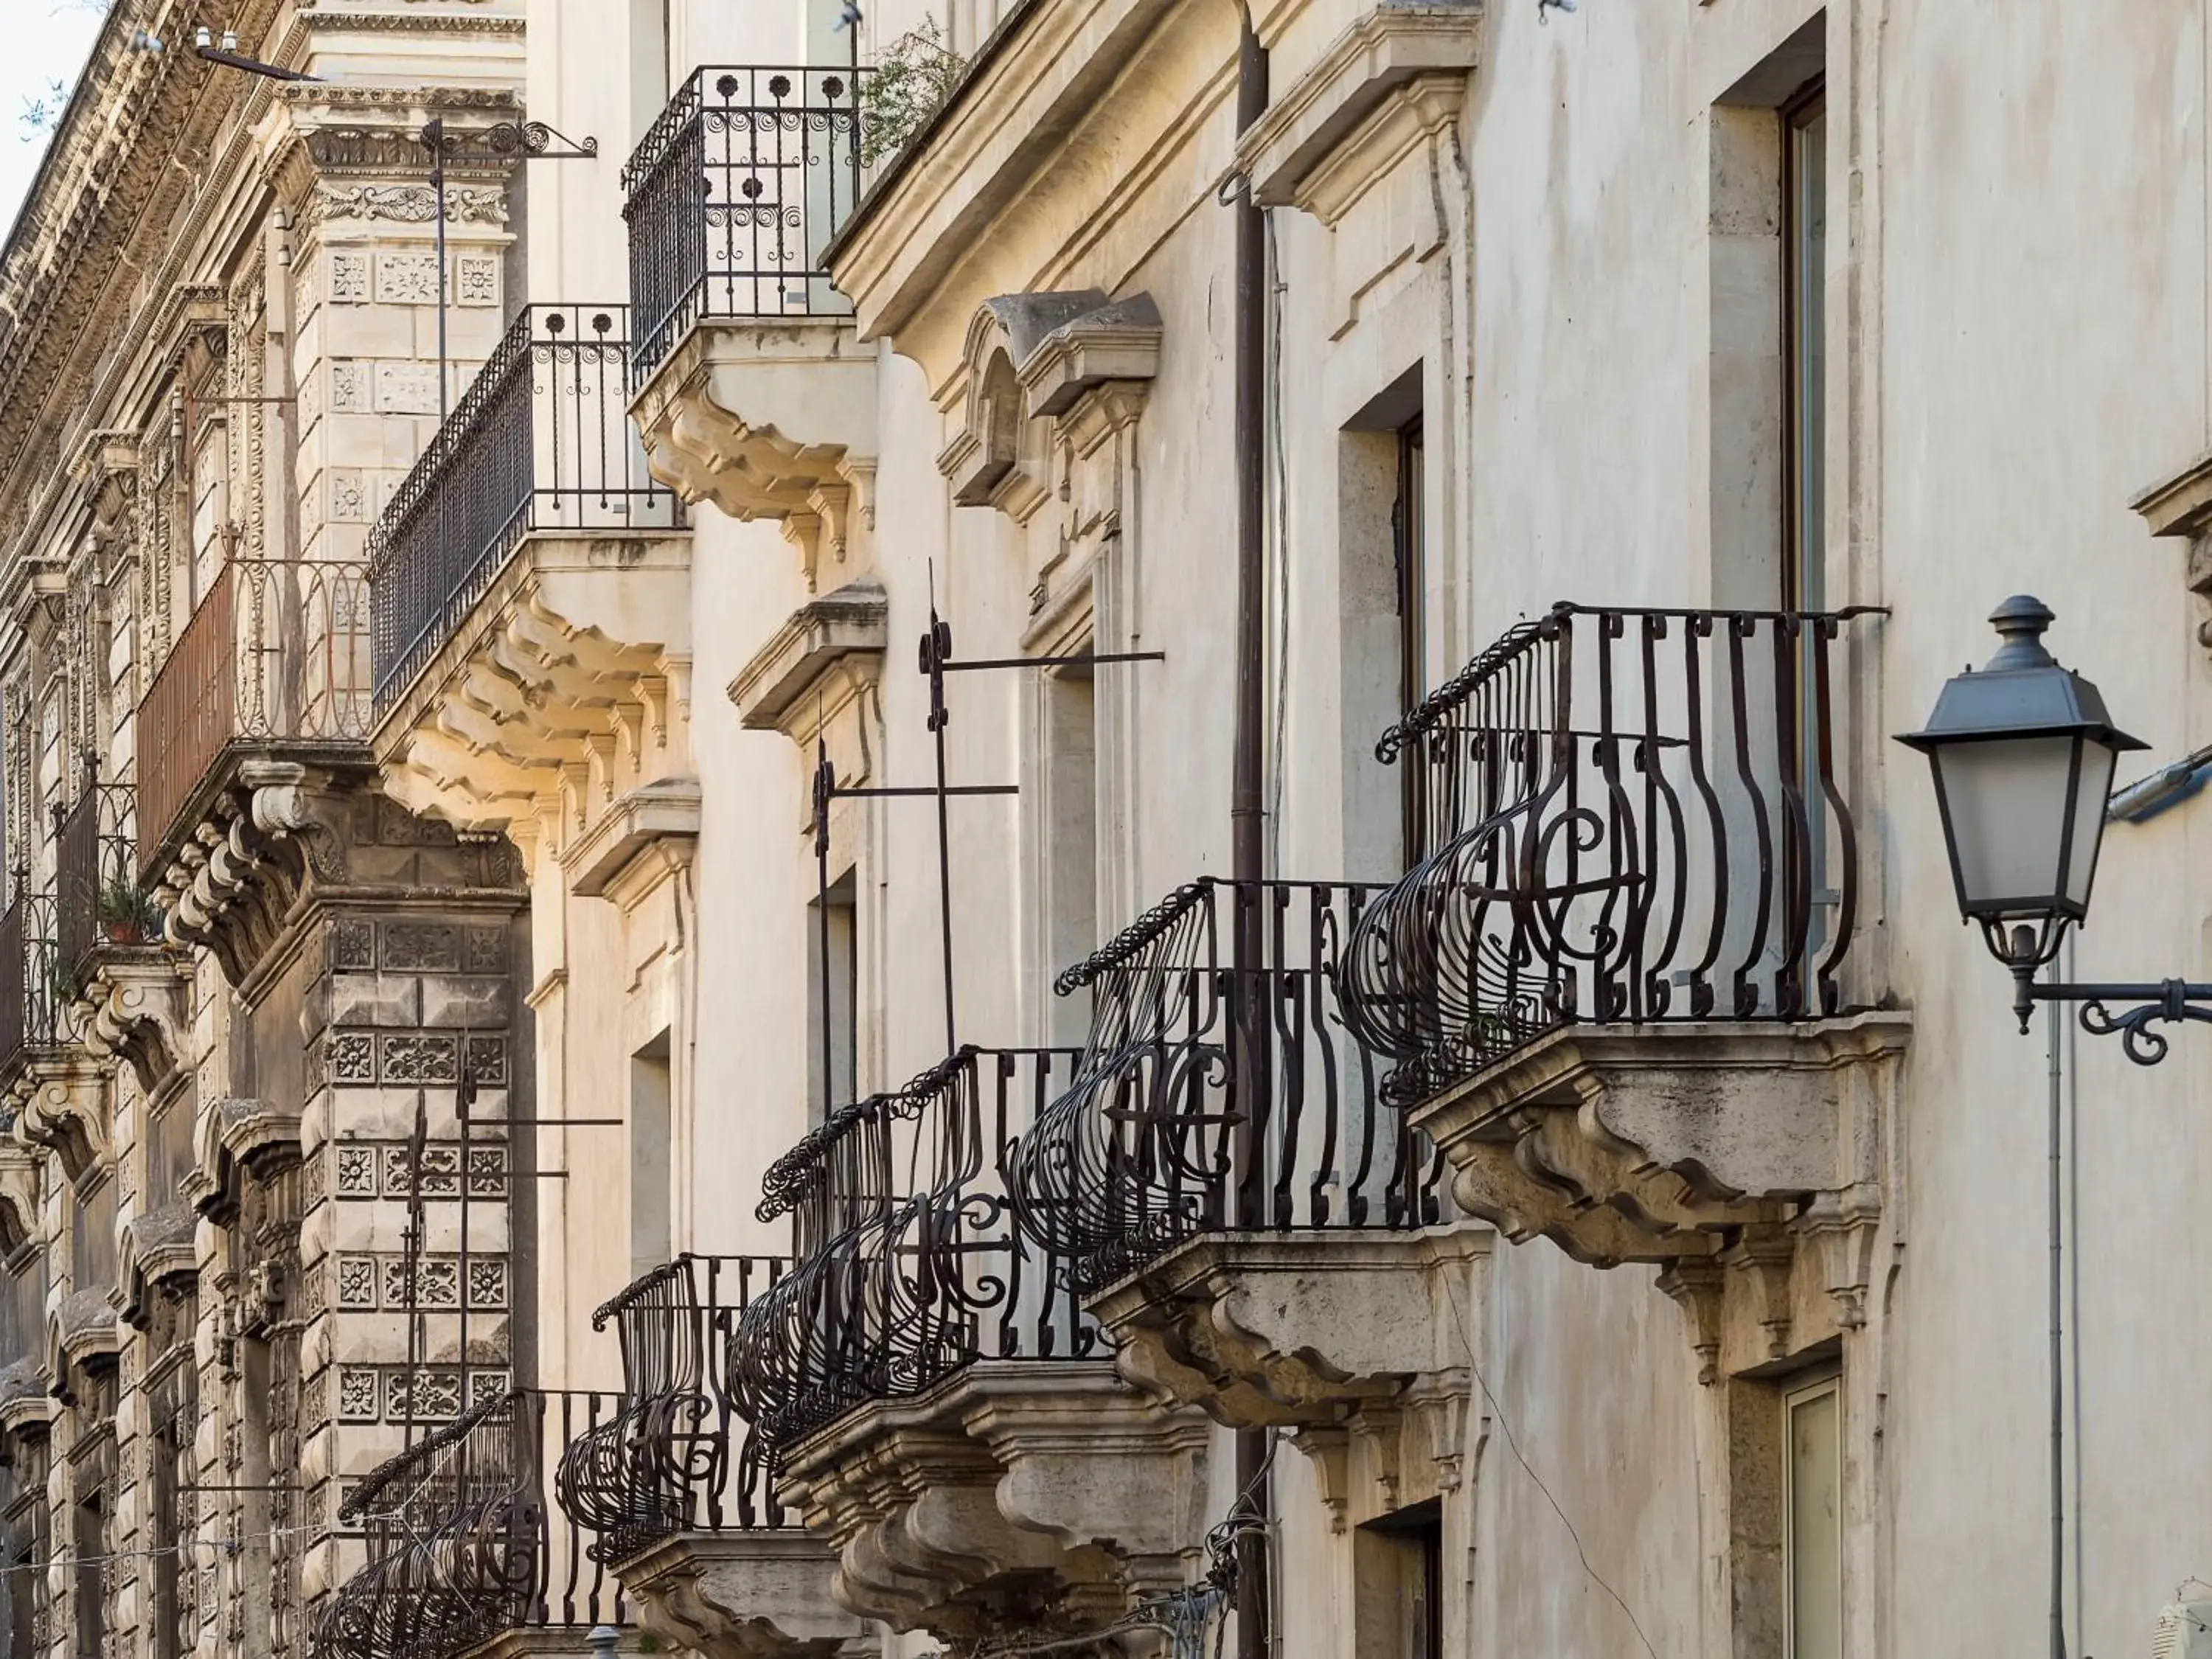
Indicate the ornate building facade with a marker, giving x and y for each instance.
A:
(805, 857)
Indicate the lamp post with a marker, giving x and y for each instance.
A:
(2023, 753)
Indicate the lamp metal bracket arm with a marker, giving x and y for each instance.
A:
(2172, 1001)
(1080, 659)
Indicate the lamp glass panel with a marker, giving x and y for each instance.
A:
(2009, 804)
(2097, 764)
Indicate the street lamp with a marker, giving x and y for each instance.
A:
(2023, 754)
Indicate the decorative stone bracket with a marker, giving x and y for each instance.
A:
(539, 724)
(770, 420)
(1031, 360)
(60, 1105)
(764, 1594)
(1359, 1341)
(138, 1000)
(1386, 85)
(1042, 1496)
(2182, 506)
(236, 874)
(1747, 1160)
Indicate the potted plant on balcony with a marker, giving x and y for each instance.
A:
(128, 914)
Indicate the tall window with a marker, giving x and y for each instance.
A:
(649, 1090)
(1813, 1548)
(1409, 549)
(833, 982)
(1804, 545)
(1398, 1584)
(1068, 852)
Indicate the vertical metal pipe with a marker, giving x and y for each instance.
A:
(1247, 812)
(2057, 1027)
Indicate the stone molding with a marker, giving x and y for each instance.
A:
(2182, 506)
(60, 1100)
(138, 1008)
(231, 1136)
(1030, 360)
(1747, 1160)
(760, 1594)
(1039, 1496)
(236, 872)
(535, 720)
(1356, 1340)
(770, 420)
(160, 1247)
(1397, 76)
(81, 1329)
(20, 1169)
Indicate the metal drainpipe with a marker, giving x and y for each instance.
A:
(1247, 813)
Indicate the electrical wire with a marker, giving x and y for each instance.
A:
(1513, 1445)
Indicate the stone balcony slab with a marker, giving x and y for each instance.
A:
(1748, 1160)
(1358, 1341)
(770, 419)
(565, 688)
(1043, 1498)
(766, 1592)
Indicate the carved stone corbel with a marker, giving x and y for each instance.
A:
(60, 1103)
(755, 1595)
(139, 999)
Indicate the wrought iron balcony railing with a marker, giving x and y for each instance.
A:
(540, 441)
(677, 1458)
(278, 649)
(1150, 1146)
(907, 1267)
(733, 194)
(1622, 816)
(97, 896)
(35, 993)
(462, 1544)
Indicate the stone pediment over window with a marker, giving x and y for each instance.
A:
(816, 679)
(159, 1246)
(1380, 89)
(233, 1135)
(18, 1199)
(1032, 359)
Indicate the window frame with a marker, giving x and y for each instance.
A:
(1825, 1384)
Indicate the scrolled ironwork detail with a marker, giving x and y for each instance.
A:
(1615, 815)
(908, 1265)
(1224, 993)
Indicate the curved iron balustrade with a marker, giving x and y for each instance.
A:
(1620, 815)
(1147, 1148)
(907, 1266)
(459, 1547)
(677, 1458)
(732, 195)
(540, 441)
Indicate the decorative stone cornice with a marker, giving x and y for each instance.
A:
(817, 680)
(808, 659)
(1395, 77)
(1030, 360)
(769, 420)
(138, 1000)
(26, 1396)
(82, 1330)
(231, 1137)
(60, 1104)
(1714, 1149)
(1039, 1496)
(763, 1593)
(2182, 506)
(1357, 1341)
(158, 1248)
